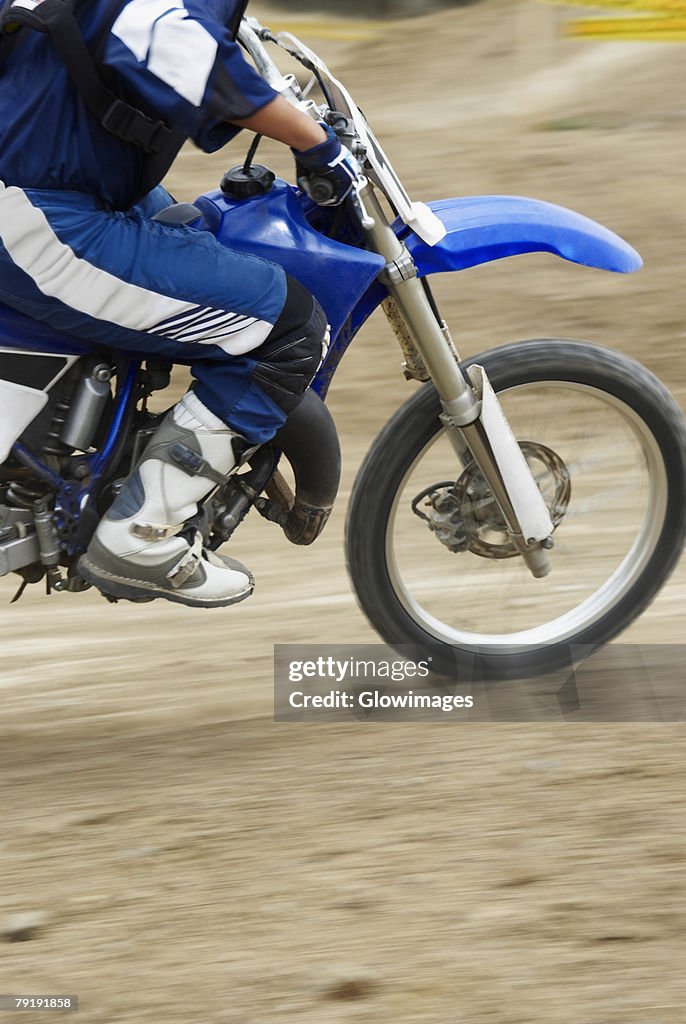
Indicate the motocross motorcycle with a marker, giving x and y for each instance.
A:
(519, 504)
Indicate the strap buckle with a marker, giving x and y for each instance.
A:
(186, 566)
(194, 464)
(153, 532)
(132, 125)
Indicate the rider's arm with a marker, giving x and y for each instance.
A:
(280, 120)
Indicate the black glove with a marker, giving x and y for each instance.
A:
(327, 171)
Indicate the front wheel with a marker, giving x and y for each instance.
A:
(427, 555)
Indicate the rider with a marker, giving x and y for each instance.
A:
(79, 166)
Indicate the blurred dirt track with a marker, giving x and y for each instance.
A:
(196, 861)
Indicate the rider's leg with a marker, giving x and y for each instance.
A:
(253, 336)
(141, 546)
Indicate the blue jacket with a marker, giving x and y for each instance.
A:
(173, 59)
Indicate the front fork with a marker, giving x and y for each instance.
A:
(471, 415)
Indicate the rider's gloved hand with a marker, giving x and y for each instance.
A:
(327, 171)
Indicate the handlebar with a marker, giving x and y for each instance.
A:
(249, 34)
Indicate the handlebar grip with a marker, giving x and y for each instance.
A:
(321, 190)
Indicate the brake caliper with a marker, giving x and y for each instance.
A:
(464, 515)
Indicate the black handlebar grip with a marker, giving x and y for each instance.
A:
(321, 190)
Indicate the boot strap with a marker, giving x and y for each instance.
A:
(193, 464)
(186, 566)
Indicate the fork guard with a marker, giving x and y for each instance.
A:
(481, 229)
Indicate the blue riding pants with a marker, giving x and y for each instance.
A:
(251, 334)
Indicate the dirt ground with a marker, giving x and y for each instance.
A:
(193, 860)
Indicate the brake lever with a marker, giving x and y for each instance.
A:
(367, 222)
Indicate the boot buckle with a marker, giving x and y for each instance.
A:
(152, 531)
(184, 569)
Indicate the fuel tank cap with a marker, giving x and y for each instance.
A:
(243, 184)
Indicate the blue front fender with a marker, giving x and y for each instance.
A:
(480, 229)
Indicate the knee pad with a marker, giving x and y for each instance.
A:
(294, 349)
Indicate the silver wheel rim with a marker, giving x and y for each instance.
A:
(581, 617)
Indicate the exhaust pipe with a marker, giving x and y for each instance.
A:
(309, 440)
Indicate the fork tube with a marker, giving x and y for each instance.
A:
(435, 348)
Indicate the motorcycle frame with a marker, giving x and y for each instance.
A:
(350, 278)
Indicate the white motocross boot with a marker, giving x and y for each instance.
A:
(140, 549)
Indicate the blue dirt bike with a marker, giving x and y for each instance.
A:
(520, 503)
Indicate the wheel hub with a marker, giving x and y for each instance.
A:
(465, 516)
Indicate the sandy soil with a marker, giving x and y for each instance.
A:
(194, 860)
